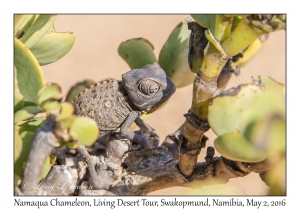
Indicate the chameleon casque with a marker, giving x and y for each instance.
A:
(117, 104)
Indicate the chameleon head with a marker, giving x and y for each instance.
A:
(148, 87)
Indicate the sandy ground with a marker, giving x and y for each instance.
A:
(94, 55)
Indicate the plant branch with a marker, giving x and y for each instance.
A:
(43, 144)
(91, 166)
(123, 171)
(168, 175)
(204, 88)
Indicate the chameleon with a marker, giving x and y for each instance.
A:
(115, 104)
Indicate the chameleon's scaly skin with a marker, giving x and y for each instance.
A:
(106, 102)
(116, 104)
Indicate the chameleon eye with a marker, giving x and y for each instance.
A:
(148, 87)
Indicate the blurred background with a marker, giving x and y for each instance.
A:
(94, 56)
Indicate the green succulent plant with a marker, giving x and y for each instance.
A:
(36, 43)
(249, 120)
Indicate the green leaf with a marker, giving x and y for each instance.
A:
(277, 137)
(52, 47)
(49, 92)
(46, 168)
(173, 57)
(273, 86)
(72, 145)
(17, 180)
(29, 74)
(39, 28)
(28, 23)
(226, 110)
(76, 89)
(23, 23)
(26, 113)
(18, 143)
(51, 106)
(206, 21)
(176, 44)
(66, 111)
(209, 187)
(84, 130)
(276, 178)
(182, 74)
(264, 105)
(268, 133)
(250, 52)
(235, 146)
(137, 52)
(236, 21)
(66, 122)
(18, 21)
(49, 97)
(27, 138)
(32, 124)
(18, 98)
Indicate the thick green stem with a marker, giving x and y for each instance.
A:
(213, 63)
(203, 91)
(244, 34)
(204, 88)
(223, 27)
